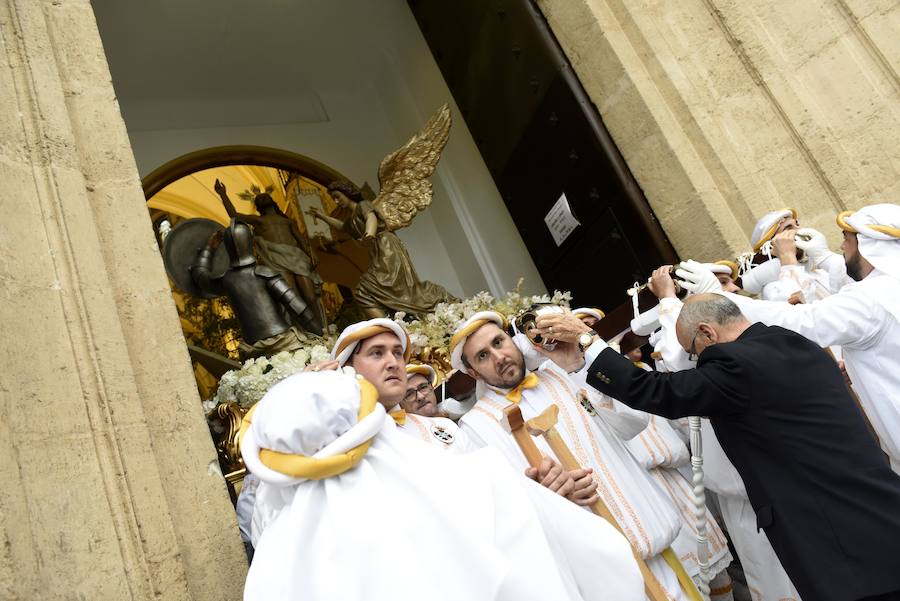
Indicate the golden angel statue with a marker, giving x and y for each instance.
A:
(390, 283)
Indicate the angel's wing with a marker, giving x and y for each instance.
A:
(403, 174)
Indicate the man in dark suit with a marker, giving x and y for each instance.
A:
(822, 489)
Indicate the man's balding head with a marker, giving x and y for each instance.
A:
(708, 319)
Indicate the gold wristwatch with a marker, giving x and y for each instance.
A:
(585, 340)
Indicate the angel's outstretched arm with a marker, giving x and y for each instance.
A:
(335, 223)
(371, 225)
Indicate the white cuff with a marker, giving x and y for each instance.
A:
(593, 351)
(669, 304)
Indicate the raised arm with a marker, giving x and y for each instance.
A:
(316, 215)
(849, 318)
(371, 225)
(219, 187)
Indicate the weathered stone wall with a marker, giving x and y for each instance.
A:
(110, 485)
(725, 109)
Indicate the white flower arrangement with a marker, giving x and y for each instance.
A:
(438, 326)
(247, 385)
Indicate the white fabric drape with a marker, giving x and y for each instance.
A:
(473, 528)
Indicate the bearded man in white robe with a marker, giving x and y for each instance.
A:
(483, 348)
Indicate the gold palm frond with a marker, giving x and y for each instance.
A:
(254, 190)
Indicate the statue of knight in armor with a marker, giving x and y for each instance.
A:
(258, 294)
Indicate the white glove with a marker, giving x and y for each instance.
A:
(816, 248)
(696, 278)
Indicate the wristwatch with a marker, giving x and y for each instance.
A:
(585, 340)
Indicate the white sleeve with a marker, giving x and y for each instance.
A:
(756, 279)
(836, 269)
(847, 318)
(673, 356)
(624, 421)
(791, 279)
(591, 353)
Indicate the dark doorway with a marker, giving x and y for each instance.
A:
(541, 137)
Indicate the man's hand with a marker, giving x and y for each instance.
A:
(219, 187)
(784, 247)
(563, 327)
(314, 213)
(567, 355)
(551, 475)
(797, 298)
(697, 279)
(661, 283)
(584, 488)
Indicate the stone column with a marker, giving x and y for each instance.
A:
(726, 109)
(110, 486)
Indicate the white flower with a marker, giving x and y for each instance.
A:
(319, 353)
(247, 385)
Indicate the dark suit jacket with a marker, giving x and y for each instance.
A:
(821, 488)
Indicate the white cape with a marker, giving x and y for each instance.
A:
(411, 522)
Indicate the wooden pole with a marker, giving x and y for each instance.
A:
(858, 403)
(516, 424)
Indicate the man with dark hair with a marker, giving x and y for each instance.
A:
(818, 482)
(420, 398)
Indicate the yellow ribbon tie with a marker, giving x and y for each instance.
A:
(399, 416)
(515, 395)
(310, 468)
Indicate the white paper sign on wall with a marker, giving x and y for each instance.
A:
(560, 220)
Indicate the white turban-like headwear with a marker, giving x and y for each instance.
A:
(878, 235)
(469, 327)
(424, 370)
(588, 312)
(309, 426)
(766, 226)
(357, 332)
(730, 268)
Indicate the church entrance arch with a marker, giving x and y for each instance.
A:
(184, 189)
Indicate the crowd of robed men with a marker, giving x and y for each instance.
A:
(365, 487)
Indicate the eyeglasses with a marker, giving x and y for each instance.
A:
(692, 353)
(421, 389)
